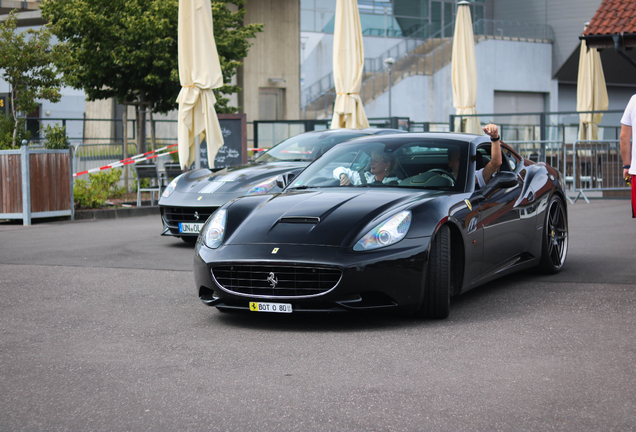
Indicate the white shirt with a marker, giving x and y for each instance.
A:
(354, 176)
(629, 119)
(479, 175)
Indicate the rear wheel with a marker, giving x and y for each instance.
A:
(436, 302)
(554, 247)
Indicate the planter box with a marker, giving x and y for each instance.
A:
(36, 184)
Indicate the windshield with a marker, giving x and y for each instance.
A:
(425, 163)
(306, 147)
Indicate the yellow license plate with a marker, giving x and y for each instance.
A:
(271, 307)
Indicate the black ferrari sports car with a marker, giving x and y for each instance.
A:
(410, 243)
(189, 199)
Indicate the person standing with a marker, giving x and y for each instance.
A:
(628, 149)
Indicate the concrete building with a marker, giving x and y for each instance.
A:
(527, 58)
(270, 76)
(527, 55)
(72, 105)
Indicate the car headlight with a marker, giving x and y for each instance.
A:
(387, 233)
(213, 231)
(263, 187)
(170, 188)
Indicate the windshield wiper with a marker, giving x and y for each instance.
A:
(303, 187)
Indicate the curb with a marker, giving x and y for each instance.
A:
(116, 213)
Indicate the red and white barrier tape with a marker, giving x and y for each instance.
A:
(150, 152)
(130, 160)
(140, 158)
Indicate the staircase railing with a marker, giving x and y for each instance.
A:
(321, 95)
(417, 55)
(326, 83)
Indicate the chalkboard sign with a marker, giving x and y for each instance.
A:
(234, 150)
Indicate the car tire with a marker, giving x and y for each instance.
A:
(436, 301)
(554, 242)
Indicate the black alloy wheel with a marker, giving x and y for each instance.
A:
(554, 246)
(436, 302)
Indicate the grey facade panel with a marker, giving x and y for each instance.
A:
(566, 17)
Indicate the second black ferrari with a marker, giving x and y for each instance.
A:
(189, 199)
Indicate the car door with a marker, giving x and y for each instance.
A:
(507, 227)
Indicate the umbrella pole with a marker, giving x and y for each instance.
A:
(197, 152)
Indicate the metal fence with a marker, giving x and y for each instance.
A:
(551, 152)
(597, 166)
(586, 166)
(560, 126)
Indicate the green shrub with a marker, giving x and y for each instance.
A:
(94, 192)
(55, 137)
(6, 133)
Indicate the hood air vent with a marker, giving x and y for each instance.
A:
(300, 219)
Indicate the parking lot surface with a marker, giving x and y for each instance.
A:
(102, 330)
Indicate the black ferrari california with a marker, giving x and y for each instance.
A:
(189, 199)
(408, 242)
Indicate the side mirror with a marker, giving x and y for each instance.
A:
(501, 180)
(505, 180)
(284, 179)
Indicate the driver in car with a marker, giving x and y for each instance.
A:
(381, 171)
(483, 175)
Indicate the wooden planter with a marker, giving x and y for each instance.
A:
(36, 184)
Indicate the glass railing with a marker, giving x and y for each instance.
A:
(373, 24)
(513, 30)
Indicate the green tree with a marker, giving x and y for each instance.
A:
(27, 63)
(127, 49)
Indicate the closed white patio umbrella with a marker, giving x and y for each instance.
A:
(464, 72)
(591, 92)
(348, 64)
(199, 73)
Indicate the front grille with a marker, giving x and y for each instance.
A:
(174, 215)
(291, 281)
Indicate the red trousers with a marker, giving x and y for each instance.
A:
(633, 196)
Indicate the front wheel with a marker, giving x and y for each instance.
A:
(436, 302)
(554, 245)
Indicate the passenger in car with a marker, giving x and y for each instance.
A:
(381, 171)
(484, 173)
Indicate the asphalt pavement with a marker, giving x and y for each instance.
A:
(101, 330)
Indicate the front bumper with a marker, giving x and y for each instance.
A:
(389, 278)
(172, 216)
